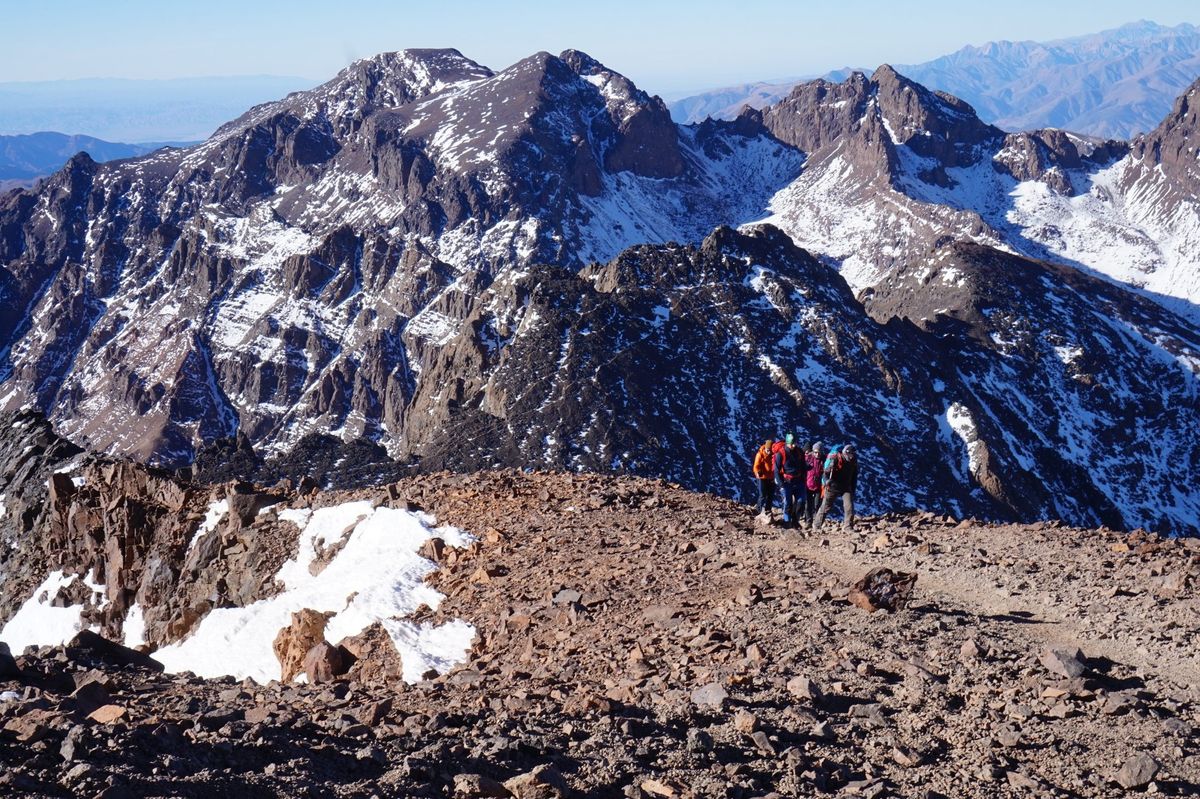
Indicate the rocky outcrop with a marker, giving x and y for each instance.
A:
(1171, 147)
(174, 549)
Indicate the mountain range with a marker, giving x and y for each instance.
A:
(30, 156)
(1115, 83)
(538, 267)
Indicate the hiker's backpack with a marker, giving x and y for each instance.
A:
(833, 462)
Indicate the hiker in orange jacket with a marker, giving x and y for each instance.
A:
(764, 475)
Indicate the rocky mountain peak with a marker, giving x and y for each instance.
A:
(884, 109)
(1175, 144)
(387, 80)
(396, 78)
(648, 141)
(932, 124)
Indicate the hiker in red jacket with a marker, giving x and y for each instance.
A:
(812, 499)
(764, 476)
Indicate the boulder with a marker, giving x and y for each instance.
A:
(1063, 662)
(371, 656)
(8, 665)
(108, 714)
(543, 782)
(476, 786)
(803, 688)
(1137, 771)
(323, 662)
(882, 589)
(293, 642)
(90, 696)
(712, 695)
(89, 647)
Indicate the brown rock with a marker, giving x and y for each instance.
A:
(373, 655)
(108, 714)
(323, 662)
(762, 742)
(1018, 780)
(89, 696)
(372, 713)
(1063, 662)
(543, 782)
(658, 788)
(906, 757)
(96, 647)
(745, 722)
(293, 642)
(804, 688)
(261, 715)
(476, 786)
(433, 549)
(882, 589)
(33, 726)
(1137, 771)
(712, 695)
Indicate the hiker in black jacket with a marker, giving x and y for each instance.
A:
(840, 480)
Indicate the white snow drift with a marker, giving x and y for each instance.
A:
(377, 576)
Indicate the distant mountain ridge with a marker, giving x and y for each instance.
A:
(33, 155)
(1115, 83)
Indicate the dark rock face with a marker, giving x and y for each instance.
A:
(887, 109)
(1172, 146)
(1054, 367)
(1050, 156)
(30, 452)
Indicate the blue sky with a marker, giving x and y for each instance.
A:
(665, 47)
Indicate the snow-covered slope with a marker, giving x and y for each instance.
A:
(893, 169)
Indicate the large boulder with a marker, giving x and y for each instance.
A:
(324, 662)
(293, 642)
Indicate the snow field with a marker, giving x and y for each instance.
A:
(38, 623)
(376, 576)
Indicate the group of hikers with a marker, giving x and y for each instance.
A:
(807, 482)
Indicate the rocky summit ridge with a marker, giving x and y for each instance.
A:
(630, 638)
